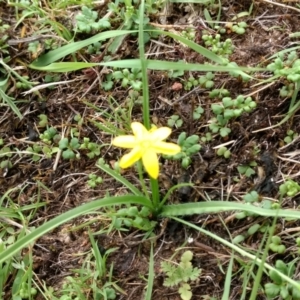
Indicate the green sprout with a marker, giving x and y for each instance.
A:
(279, 287)
(251, 230)
(289, 188)
(287, 90)
(189, 34)
(77, 118)
(4, 36)
(108, 84)
(93, 148)
(35, 150)
(94, 180)
(129, 78)
(215, 45)
(219, 124)
(236, 73)
(189, 147)
(34, 47)
(180, 274)
(25, 292)
(276, 245)
(86, 21)
(251, 197)
(229, 109)
(207, 80)
(94, 48)
(51, 78)
(287, 67)
(197, 113)
(5, 151)
(190, 83)
(5, 164)
(239, 28)
(133, 216)
(247, 170)
(69, 148)
(219, 93)
(49, 135)
(291, 135)
(223, 151)
(23, 84)
(207, 137)
(175, 121)
(43, 120)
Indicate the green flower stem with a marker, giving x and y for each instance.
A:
(142, 180)
(146, 105)
(155, 195)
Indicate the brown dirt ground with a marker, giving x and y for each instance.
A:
(55, 254)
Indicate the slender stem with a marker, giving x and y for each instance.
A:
(142, 180)
(146, 105)
(155, 195)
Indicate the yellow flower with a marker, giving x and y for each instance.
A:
(145, 145)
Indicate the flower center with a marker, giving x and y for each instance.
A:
(145, 144)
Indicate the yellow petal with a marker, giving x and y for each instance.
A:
(124, 141)
(150, 162)
(130, 158)
(160, 134)
(166, 148)
(139, 130)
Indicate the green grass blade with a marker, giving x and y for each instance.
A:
(201, 50)
(71, 48)
(120, 178)
(107, 127)
(63, 67)
(168, 65)
(240, 251)
(8, 100)
(150, 275)
(228, 279)
(63, 51)
(69, 215)
(219, 206)
(259, 273)
(136, 63)
(173, 188)
(208, 18)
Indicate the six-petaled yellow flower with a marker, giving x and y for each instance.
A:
(145, 145)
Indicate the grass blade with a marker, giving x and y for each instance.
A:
(228, 279)
(120, 178)
(220, 206)
(150, 275)
(63, 51)
(9, 100)
(254, 258)
(69, 215)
